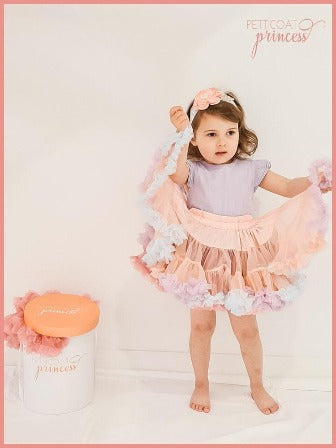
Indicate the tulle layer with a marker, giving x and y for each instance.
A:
(238, 263)
(239, 281)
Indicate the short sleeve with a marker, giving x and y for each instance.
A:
(192, 167)
(260, 169)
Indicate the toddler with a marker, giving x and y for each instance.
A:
(203, 244)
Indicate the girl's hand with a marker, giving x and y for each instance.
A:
(179, 118)
(321, 178)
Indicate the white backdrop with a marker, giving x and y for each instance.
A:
(87, 94)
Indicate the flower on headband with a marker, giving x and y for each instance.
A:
(206, 97)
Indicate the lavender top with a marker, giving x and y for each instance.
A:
(225, 189)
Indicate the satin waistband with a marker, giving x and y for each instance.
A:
(221, 218)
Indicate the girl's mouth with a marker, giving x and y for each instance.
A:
(220, 153)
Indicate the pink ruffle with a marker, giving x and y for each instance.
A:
(321, 165)
(145, 237)
(185, 291)
(266, 300)
(140, 266)
(157, 159)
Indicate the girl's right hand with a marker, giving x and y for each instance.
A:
(179, 118)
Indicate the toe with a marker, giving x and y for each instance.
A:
(206, 409)
(274, 408)
(267, 411)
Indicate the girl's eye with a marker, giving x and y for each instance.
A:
(213, 133)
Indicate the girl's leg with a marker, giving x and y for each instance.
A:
(203, 324)
(246, 331)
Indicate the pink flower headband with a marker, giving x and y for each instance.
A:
(206, 97)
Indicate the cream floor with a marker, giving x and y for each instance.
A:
(143, 409)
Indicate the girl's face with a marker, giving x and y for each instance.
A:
(217, 139)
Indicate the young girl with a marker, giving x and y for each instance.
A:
(202, 243)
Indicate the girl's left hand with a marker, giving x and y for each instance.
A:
(321, 178)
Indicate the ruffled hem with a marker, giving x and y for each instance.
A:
(240, 301)
(140, 266)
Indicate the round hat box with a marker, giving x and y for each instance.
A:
(63, 383)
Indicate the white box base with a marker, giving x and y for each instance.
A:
(59, 384)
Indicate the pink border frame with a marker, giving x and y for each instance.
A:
(331, 2)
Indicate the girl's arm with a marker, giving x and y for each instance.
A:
(180, 120)
(182, 171)
(275, 183)
(288, 188)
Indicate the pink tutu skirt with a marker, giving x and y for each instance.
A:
(238, 263)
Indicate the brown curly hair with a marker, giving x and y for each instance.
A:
(248, 141)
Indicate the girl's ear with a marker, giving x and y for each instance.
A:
(193, 141)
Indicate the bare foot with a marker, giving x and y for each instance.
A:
(200, 399)
(263, 400)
